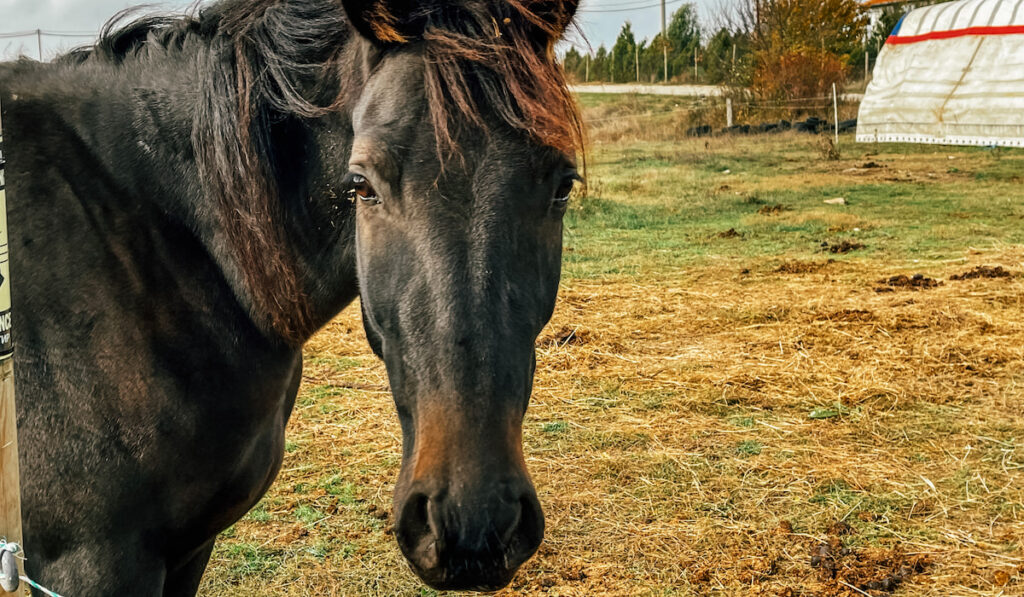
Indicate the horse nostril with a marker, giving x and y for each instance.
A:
(529, 530)
(416, 533)
(517, 518)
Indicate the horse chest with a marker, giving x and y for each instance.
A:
(235, 445)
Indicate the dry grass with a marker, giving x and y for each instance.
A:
(746, 425)
(674, 442)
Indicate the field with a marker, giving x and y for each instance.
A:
(745, 390)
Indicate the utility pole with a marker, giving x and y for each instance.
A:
(39, 40)
(586, 77)
(636, 59)
(664, 39)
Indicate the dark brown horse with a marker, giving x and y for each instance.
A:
(191, 198)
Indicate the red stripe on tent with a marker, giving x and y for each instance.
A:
(913, 39)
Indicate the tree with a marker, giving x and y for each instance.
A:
(599, 69)
(623, 67)
(727, 58)
(799, 48)
(683, 37)
(575, 65)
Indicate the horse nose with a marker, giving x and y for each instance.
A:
(455, 542)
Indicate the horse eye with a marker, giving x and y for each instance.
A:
(361, 188)
(565, 189)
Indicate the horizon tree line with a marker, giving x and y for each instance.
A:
(778, 49)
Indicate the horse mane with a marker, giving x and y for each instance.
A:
(264, 61)
(268, 61)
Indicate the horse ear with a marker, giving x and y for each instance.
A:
(384, 21)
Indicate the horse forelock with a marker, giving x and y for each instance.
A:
(496, 58)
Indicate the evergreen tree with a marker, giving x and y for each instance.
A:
(623, 68)
(599, 69)
(574, 65)
(683, 35)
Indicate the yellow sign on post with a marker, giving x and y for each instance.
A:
(6, 345)
(10, 479)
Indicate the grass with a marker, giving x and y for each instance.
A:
(732, 406)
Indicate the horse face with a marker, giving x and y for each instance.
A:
(458, 262)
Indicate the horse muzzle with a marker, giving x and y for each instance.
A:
(469, 540)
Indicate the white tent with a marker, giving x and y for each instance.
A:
(950, 74)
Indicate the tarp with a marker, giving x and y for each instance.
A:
(950, 74)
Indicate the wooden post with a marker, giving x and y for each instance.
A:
(835, 107)
(10, 479)
(636, 59)
(664, 41)
(728, 112)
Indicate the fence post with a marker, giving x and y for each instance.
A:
(728, 111)
(10, 480)
(835, 108)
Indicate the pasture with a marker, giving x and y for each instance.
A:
(738, 393)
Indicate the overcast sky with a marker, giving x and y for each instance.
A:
(87, 16)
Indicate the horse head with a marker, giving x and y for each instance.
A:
(462, 162)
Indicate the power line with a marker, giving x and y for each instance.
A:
(594, 10)
(46, 33)
(624, 4)
(79, 35)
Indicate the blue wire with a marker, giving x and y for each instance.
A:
(15, 548)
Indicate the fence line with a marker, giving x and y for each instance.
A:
(39, 34)
(823, 110)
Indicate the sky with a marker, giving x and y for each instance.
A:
(601, 20)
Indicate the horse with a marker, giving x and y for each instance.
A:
(193, 196)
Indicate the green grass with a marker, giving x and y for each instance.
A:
(657, 207)
(749, 447)
(555, 427)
